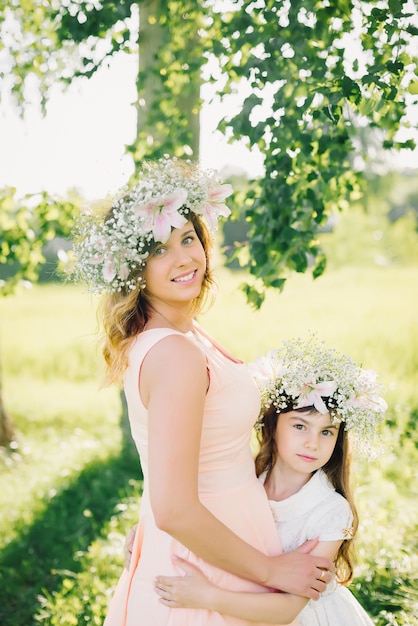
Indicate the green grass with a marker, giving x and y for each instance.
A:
(72, 487)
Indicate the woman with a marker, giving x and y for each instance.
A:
(191, 404)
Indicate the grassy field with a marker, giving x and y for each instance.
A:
(72, 487)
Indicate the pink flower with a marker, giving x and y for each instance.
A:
(123, 271)
(365, 402)
(109, 271)
(99, 245)
(267, 369)
(161, 214)
(313, 392)
(368, 376)
(215, 205)
(95, 260)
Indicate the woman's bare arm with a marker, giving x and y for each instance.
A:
(173, 387)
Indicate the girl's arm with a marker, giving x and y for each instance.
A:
(173, 387)
(193, 590)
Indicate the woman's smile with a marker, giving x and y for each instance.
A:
(185, 278)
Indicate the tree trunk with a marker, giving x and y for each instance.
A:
(167, 110)
(7, 431)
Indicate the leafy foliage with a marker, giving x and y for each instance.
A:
(315, 73)
(323, 70)
(42, 40)
(59, 42)
(26, 225)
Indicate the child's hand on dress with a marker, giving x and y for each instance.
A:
(193, 590)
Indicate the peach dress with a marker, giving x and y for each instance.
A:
(228, 487)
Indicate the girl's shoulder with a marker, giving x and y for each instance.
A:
(332, 516)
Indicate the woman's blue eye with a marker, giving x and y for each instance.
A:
(158, 251)
(188, 239)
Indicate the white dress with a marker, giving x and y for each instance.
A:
(317, 510)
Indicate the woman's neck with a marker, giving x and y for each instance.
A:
(165, 317)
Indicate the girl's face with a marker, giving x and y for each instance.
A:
(175, 271)
(305, 440)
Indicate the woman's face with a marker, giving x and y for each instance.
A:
(175, 270)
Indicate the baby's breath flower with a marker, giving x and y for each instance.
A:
(306, 373)
(110, 253)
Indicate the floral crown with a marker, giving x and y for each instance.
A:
(109, 252)
(306, 373)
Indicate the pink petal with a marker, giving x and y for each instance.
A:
(319, 403)
(95, 260)
(163, 223)
(123, 271)
(162, 227)
(382, 404)
(209, 216)
(174, 201)
(217, 194)
(312, 399)
(217, 209)
(325, 388)
(109, 272)
(368, 375)
(177, 220)
(146, 210)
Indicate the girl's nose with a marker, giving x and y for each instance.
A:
(312, 441)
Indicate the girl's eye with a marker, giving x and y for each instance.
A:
(299, 426)
(327, 433)
(188, 239)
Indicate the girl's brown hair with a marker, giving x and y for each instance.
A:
(124, 314)
(337, 470)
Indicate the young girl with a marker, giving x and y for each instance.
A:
(312, 398)
(191, 404)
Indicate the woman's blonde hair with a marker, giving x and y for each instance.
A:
(124, 314)
(337, 470)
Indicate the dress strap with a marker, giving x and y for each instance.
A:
(215, 344)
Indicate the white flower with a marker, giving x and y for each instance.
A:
(305, 373)
(110, 253)
(266, 369)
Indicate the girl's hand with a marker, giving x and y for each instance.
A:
(193, 590)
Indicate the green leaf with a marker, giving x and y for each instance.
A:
(348, 85)
(278, 283)
(320, 265)
(413, 87)
(255, 297)
(395, 7)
